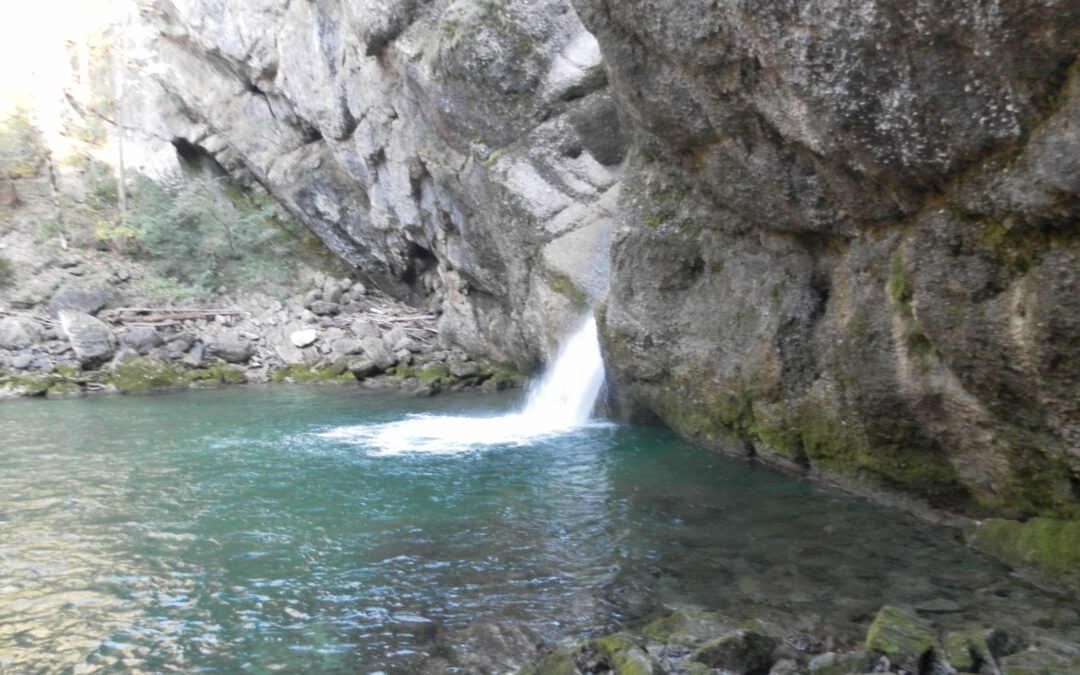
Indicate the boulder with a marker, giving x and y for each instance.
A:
(901, 636)
(393, 336)
(231, 347)
(361, 368)
(22, 361)
(139, 374)
(325, 308)
(304, 338)
(346, 346)
(363, 329)
(376, 350)
(18, 333)
(85, 300)
(742, 651)
(141, 338)
(92, 340)
(464, 368)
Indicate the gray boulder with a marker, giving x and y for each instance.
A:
(364, 329)
(325, 308)
(232, 347)
(141, 338)
(346, 346)
(85, 300)
(18, 333)
(393, 336)
(92, 340)
(376, 350)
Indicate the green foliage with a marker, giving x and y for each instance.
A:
(7, 271)
(22, 150)
(206, 235)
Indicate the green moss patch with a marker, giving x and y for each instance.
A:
(622, 655)
(337, 373)
(900, 635)
(1048, 545)
(140, 374)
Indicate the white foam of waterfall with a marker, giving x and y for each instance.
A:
(560, 402)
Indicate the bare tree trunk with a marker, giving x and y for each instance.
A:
(54, 189)
(121, 67)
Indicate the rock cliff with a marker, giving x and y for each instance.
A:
(846, 237)
(463, 155)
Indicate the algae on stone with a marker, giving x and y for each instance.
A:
(139, 374)
(901, 636)
(623, 656)
(740, 650)
(1049, 545)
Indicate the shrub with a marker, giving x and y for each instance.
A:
(206, 234)
(22, 150)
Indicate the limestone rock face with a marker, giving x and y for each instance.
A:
(847, 238)
(463, 154)
(844, 232)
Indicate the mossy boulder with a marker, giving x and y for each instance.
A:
(1049, 545)
(832, 663)
(70, 372)
(140, 374)
(742, 651)
(337, 373)
(560, 662)
(967, 652)
(62, 390)
(688, 627)
(624, 656)
(217, 374)
(501, 379)
(30, 385)
(902, 636)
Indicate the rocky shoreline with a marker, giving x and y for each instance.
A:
(86, 340)
(898, 640)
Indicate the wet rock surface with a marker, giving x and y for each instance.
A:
(846, 240)
(896, 642)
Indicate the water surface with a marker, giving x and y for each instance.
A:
(240, 531)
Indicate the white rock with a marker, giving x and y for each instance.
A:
(303, 338)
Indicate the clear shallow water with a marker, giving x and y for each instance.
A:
(228, 531)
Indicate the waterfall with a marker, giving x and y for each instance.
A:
(560, 402)
(565, 396)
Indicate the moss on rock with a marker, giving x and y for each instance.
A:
(967, 652)
(1048, 545)
(337, 373)
(140, 374)
(69, 372)
(217, 374)
(557, 663)
(622, 655)
(740, 650)
(62, 390)
(901, 636)
(687, 627)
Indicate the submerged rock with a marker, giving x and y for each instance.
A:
(741, 651)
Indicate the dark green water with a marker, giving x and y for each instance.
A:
(220, 532)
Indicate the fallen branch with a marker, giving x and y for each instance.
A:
(160, 315)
